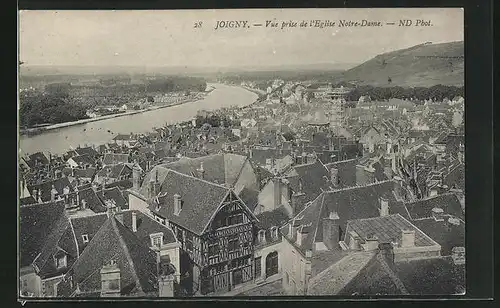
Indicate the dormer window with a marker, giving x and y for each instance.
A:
(85, 238)
(274, 232)
(262, 236)
(156, 239)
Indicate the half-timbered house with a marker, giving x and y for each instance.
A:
(213, 225)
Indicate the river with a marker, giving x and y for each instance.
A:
(60, 140)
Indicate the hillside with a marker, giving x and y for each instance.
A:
(419, 66)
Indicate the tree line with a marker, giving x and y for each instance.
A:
(436, 93)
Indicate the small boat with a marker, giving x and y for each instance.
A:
(84, 129)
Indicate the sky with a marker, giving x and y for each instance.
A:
(168, 38)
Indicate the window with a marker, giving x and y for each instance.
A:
(236, 219)
(233, 243)
(85, 238)
(274, 232)
(212, 249)
(156, 239)
(262, 236)
(189, 244)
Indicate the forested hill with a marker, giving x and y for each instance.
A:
(423, 65)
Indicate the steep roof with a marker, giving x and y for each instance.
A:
(349, 203)
(146, 225)
(436, 276)
(88, 226)
(87, 151)
(423, 208)
(113, 159)
(60, 240)
(219, 168)
(36, 221)
(200, 198)
(444, 233)
(83, 159)
(113, 241)
(346, 172)
(113, 194)
(45, 187)
(332, 280)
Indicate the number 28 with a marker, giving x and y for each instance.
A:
(198, 24)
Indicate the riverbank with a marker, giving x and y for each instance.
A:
(39, 130)
(58, 141)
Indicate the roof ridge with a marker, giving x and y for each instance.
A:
(358, 186)
(197, 178)
(40, 203)
(124, 246)
(431, 197)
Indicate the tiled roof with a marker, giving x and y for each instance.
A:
(84, 173)
(36, 221)
(219, 168)
(113, 159)
(332, 280)
(86, 225)
(387, 229)
(33, 158)
(200, 199)
(347, 172)
(27, 200)
(60, 239)
(443, 232)
(83, 159)
(423, 208)
(87, 151)
(114, 241)
(436, 276)
(250, 197)
(373, 279)
(46, 187)
(113, 194)
(350, 203)
(146, 225)
(276, 218)
(115, 171)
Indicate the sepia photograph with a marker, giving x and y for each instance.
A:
(241, 153)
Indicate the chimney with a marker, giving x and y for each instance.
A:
(201, 171)
(277, 192)
(292, 227)
(136, 177)
(384, 206)
(53, 194)
(334, 177)
(177, 204)
(331, 235)
(84, 204)
(353, 241)
(387, 252)
(407, 238)
(302, 232)
(134, 221)
(458, 255)
(166, 277)
(110, 280)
